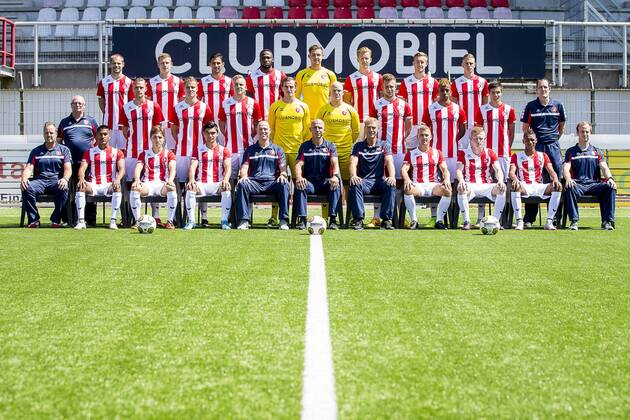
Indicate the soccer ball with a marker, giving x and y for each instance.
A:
(489, 225)
(316, 226)
(146, 224)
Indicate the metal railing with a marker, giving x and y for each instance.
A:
(562, 50)
(7, 47)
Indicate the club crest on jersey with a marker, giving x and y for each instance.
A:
(344, 112)
(554, 109)
(298, 109)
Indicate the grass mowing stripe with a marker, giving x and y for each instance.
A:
(318, 397)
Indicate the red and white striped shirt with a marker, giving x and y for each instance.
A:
(210, 167)
(214, 91)
(102, 163)
(444, 121)
(477, 169)
(364, 89)
(468, 93)
(165, 92)
(265, 88)
(530, 168)
(240, 118)
(424, 165)
(190, 120)
(115, 93)
(155, 164)
(391, 122)
(419, 94)
(140, 119)
(496, 122)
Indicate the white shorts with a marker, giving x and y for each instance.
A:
(535, 190)
(130, 167)
(451, 164)
(208, 188)
(481, 190)
(398, 161)
(155, 188)
(117, 140)
(99, 190)
(183, 164)
(504, 163)
(425, 188)
(236, 165)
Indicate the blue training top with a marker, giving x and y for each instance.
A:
(584, 163)
(264, 162)
(77, 135)
(371, 159)
(48, 164)
(544, 120)
(317, 166)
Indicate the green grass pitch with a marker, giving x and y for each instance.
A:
(207, 323)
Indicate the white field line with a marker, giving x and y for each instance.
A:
(318, 393)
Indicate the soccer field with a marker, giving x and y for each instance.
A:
(211, 324)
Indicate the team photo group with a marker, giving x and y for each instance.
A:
(291, 138)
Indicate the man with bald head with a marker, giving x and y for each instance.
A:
(77, 132)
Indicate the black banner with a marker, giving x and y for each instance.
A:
(515, 53)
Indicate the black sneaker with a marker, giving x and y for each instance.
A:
(332, 224)
(301, 224)
(413, 225)
(387, 224)
(205, 223)
(357, 224)
(440, 225)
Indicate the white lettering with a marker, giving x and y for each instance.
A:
(373, 36)
(232, 46)
(402, 51)
(279, 40)
(432, 52)
(204, 68)
(450, 52)
(174, 36)
(334, 45)
(480, 56)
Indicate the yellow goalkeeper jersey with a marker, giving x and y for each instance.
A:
(313, 87)
(290, 124)
(341, 126)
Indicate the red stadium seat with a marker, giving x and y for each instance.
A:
(342, 3)
(274, 12)
(297, 3)
(342, 13)
(365, 3)
(386, 3)
(410, 3)
(454, 3)
(320, 3)
(296, 13)
(365, 13)
(250, 13)
(477, 3)
(320, 13)
(500, 3)
(433, 3)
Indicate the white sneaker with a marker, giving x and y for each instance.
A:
(244, 225)
(80, 225)
(284, 225)
(113, 225)
(519, 224)
(574, 225)
(528, 225)
(549, 225)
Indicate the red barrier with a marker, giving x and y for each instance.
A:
(7, 43)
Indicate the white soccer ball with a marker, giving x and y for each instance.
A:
(316, 226)
(146, 224)
(489, 225)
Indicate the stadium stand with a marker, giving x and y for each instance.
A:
(187, 3)
(479, 9)
(207, 3)
(342, 13)
(456, 9)
(205, 12)
(365, 13)
(296, 13)
(229, 9)
(52, 3)
(411, 13)
(74, 3)
(433, 9)
(274, 12)
(118, 3)
(89, 30)
(342, 3)
(320, 3)
(141, 3)
(97, 3)
(182, 12)
(251, 12)
(319, 13)
(137, 12)
(69, 14)
(388, 13)
(160, 13)
(163, 3)
(45, 15)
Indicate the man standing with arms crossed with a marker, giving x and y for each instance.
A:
(546, 117)
(113, 92)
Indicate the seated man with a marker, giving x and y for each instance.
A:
(369, 160)
(213, 165)
(587, 173)
(50, 164)
(317, 172)
(475, 167)
(263, 171)
(526, 170)
(107, 169)
(424, 163)
(157, 166)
